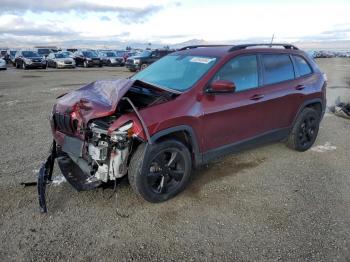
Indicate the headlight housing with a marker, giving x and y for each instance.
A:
(27, 61)
(122, 132)
(136, 61)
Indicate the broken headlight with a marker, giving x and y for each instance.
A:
(122, 132)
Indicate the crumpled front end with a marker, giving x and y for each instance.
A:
(94, 130)
(99, 158)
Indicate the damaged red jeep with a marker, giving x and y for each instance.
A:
(184, 110)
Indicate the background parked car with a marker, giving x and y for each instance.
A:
(87, 58)
(146, 58)
(111, 58)
(3, 53)
(60, 60)
(10, 56)
(3, 64)
(44, 52)
(68, 53)
(122, 53)
(29, 59)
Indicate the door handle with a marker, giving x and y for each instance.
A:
(256, 97)
(299, 87)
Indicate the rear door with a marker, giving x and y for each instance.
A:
(280, 90)
(79, 59)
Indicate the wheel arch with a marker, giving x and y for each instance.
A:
(315, 103)
(184, 134)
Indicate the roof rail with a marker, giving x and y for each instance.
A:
(196, 46)
(286, 46)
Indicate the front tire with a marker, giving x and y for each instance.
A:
(305, 130)
(86, 64)
(162, 173)
(143, 66)
(24, 66)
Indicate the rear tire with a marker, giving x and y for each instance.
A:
(304, 131)
(162, 173)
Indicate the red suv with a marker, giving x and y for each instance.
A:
(190, 107)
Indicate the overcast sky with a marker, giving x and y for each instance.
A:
(171, 21)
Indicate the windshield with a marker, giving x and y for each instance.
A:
(120, 53)
(30, 54)
(67, 53)
(90, 54)
(177, 72)
(13, 53)
(44, 51)
(110, 54)
(61, 55)
(145, 53)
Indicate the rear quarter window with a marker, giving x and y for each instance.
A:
(277, 68)
(302, 66)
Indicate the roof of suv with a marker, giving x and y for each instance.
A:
(222, 50)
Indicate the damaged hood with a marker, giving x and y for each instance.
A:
(97, 99)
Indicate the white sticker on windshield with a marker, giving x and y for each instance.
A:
(202, 60)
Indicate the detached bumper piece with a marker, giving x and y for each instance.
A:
(45, 177)
(74, 172)
(77, 173)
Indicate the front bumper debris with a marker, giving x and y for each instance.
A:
(45, 177)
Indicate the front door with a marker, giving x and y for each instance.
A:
(233, 117)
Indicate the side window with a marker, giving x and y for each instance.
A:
(302, 66)
(277, 68)
(242, 70)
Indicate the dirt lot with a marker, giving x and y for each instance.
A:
(270, 203)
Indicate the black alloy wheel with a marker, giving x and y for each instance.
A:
(166, 171)
(305, 130)
(162, 172)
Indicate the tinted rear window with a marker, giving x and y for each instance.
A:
(302, 66)
(277, 68)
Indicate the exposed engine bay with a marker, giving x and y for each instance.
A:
(102, 155)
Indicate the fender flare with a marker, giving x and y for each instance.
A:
(309, 102)
(198, 158)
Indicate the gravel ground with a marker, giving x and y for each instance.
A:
(265, 204)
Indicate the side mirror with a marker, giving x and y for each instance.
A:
(221, 86)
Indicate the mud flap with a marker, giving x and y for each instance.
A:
(45, 176)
